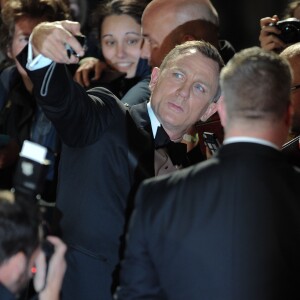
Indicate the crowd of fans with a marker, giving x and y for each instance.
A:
(137, 206)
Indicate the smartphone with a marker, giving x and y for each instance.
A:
(211, 141)
(82, 41)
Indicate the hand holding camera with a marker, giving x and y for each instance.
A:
(48, 278)
(61, 41)
(289, 30)
(277, 34)
(268, 37)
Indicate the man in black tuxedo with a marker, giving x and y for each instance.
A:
(109, 149)
(227, 228)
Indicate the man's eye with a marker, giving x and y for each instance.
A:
(24, 39)
(199, 87)
(178, 75)
(152, 43)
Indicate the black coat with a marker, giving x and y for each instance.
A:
(228, 228)
(108, 149)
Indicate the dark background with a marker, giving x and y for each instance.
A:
(239, 19)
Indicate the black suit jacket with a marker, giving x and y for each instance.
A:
(108, 149)
(228, 228)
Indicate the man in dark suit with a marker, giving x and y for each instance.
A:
(227, 228)
(109, 149)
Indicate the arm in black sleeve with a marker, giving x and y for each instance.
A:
(79, 117)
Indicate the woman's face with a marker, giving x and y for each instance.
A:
(121, 43)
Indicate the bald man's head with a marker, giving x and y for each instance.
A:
(162, 17)
(186, 10)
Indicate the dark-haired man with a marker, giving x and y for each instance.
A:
(227, 228)
(20, 251)
(109, 149)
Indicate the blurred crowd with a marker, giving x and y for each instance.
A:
(173, 157)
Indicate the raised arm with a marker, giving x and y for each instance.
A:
(268, 39)
(51, 40)
(79, 117)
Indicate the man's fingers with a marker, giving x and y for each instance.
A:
(51, 40)
(71, 26)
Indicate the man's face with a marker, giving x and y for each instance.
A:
(23, 273)
(181, 92)
(295, 64)
(155, 30)
(23, 29)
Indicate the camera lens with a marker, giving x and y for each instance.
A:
(290, 34)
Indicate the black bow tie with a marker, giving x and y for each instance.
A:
(176, 151)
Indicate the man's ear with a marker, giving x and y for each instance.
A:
(8, 52)
(154, 78)
(188, 37)
(211, 109)
(222, 111)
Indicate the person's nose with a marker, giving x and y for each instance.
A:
(183, 92)
(145, 49)
(121, 51)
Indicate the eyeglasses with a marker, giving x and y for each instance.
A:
(295, 87)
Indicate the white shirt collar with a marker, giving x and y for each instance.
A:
(153, 119)
(38, 62)
(249, 140)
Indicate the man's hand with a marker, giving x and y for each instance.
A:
(51, 285)
(50, 40)
(89, 65)
(268, 39)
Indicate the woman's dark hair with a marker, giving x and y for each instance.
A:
(132, 8)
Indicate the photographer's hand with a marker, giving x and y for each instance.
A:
(50, 40)
(268, 39)
(51, 285)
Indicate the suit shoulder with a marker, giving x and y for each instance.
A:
(174, 185)
(103, 93)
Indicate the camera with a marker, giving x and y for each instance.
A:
(82, 41)
(290, 30)
(28, 185)
(31, 171)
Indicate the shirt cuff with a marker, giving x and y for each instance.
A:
(38, 62)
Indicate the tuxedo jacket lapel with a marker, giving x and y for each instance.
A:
(141, 142)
